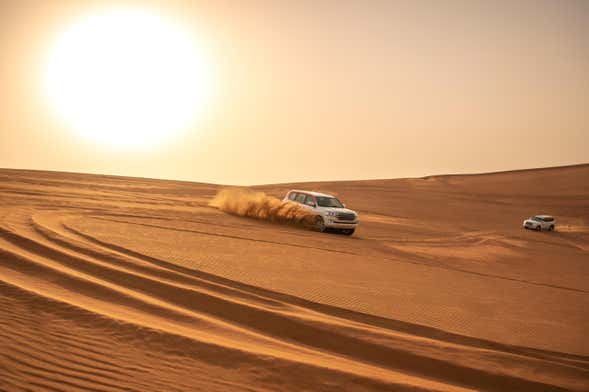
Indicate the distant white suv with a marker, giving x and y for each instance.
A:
(330, 213)
(540, 222)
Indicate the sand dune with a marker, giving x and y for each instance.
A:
(114, 283)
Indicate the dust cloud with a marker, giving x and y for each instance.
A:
(253, 204)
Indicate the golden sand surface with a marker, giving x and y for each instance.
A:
(114, 283)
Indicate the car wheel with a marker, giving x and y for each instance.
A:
(551, 228)
(348, 231)
(539, 228)
(319, 223)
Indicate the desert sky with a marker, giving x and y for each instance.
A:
(327, 90)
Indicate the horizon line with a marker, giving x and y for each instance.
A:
(304, 182)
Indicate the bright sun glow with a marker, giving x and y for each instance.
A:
(127, 78)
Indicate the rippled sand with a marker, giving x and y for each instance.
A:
(114, 283)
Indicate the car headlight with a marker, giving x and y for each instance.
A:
(331, 213)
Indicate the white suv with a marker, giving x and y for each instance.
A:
(540, 222)
(330, 213)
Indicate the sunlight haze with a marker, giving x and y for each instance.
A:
(127, 78)
(293, 91)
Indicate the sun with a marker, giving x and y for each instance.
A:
(127, 78)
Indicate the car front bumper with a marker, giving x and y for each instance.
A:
(336, 224)
(529, 225)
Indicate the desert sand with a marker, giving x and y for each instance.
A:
(114, 283)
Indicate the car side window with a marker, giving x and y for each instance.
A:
(292, 195)
(300, 198)
(310, 201)
(548, 219)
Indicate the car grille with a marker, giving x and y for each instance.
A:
(346, 216)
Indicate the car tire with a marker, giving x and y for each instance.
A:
(551, 228)
(348, 232)
(539, 228)
(320, 224)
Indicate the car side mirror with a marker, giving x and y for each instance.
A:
(344, 204)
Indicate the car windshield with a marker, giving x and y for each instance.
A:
(323, 201)
(537, 219)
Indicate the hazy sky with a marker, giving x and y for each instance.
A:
(325, 90)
